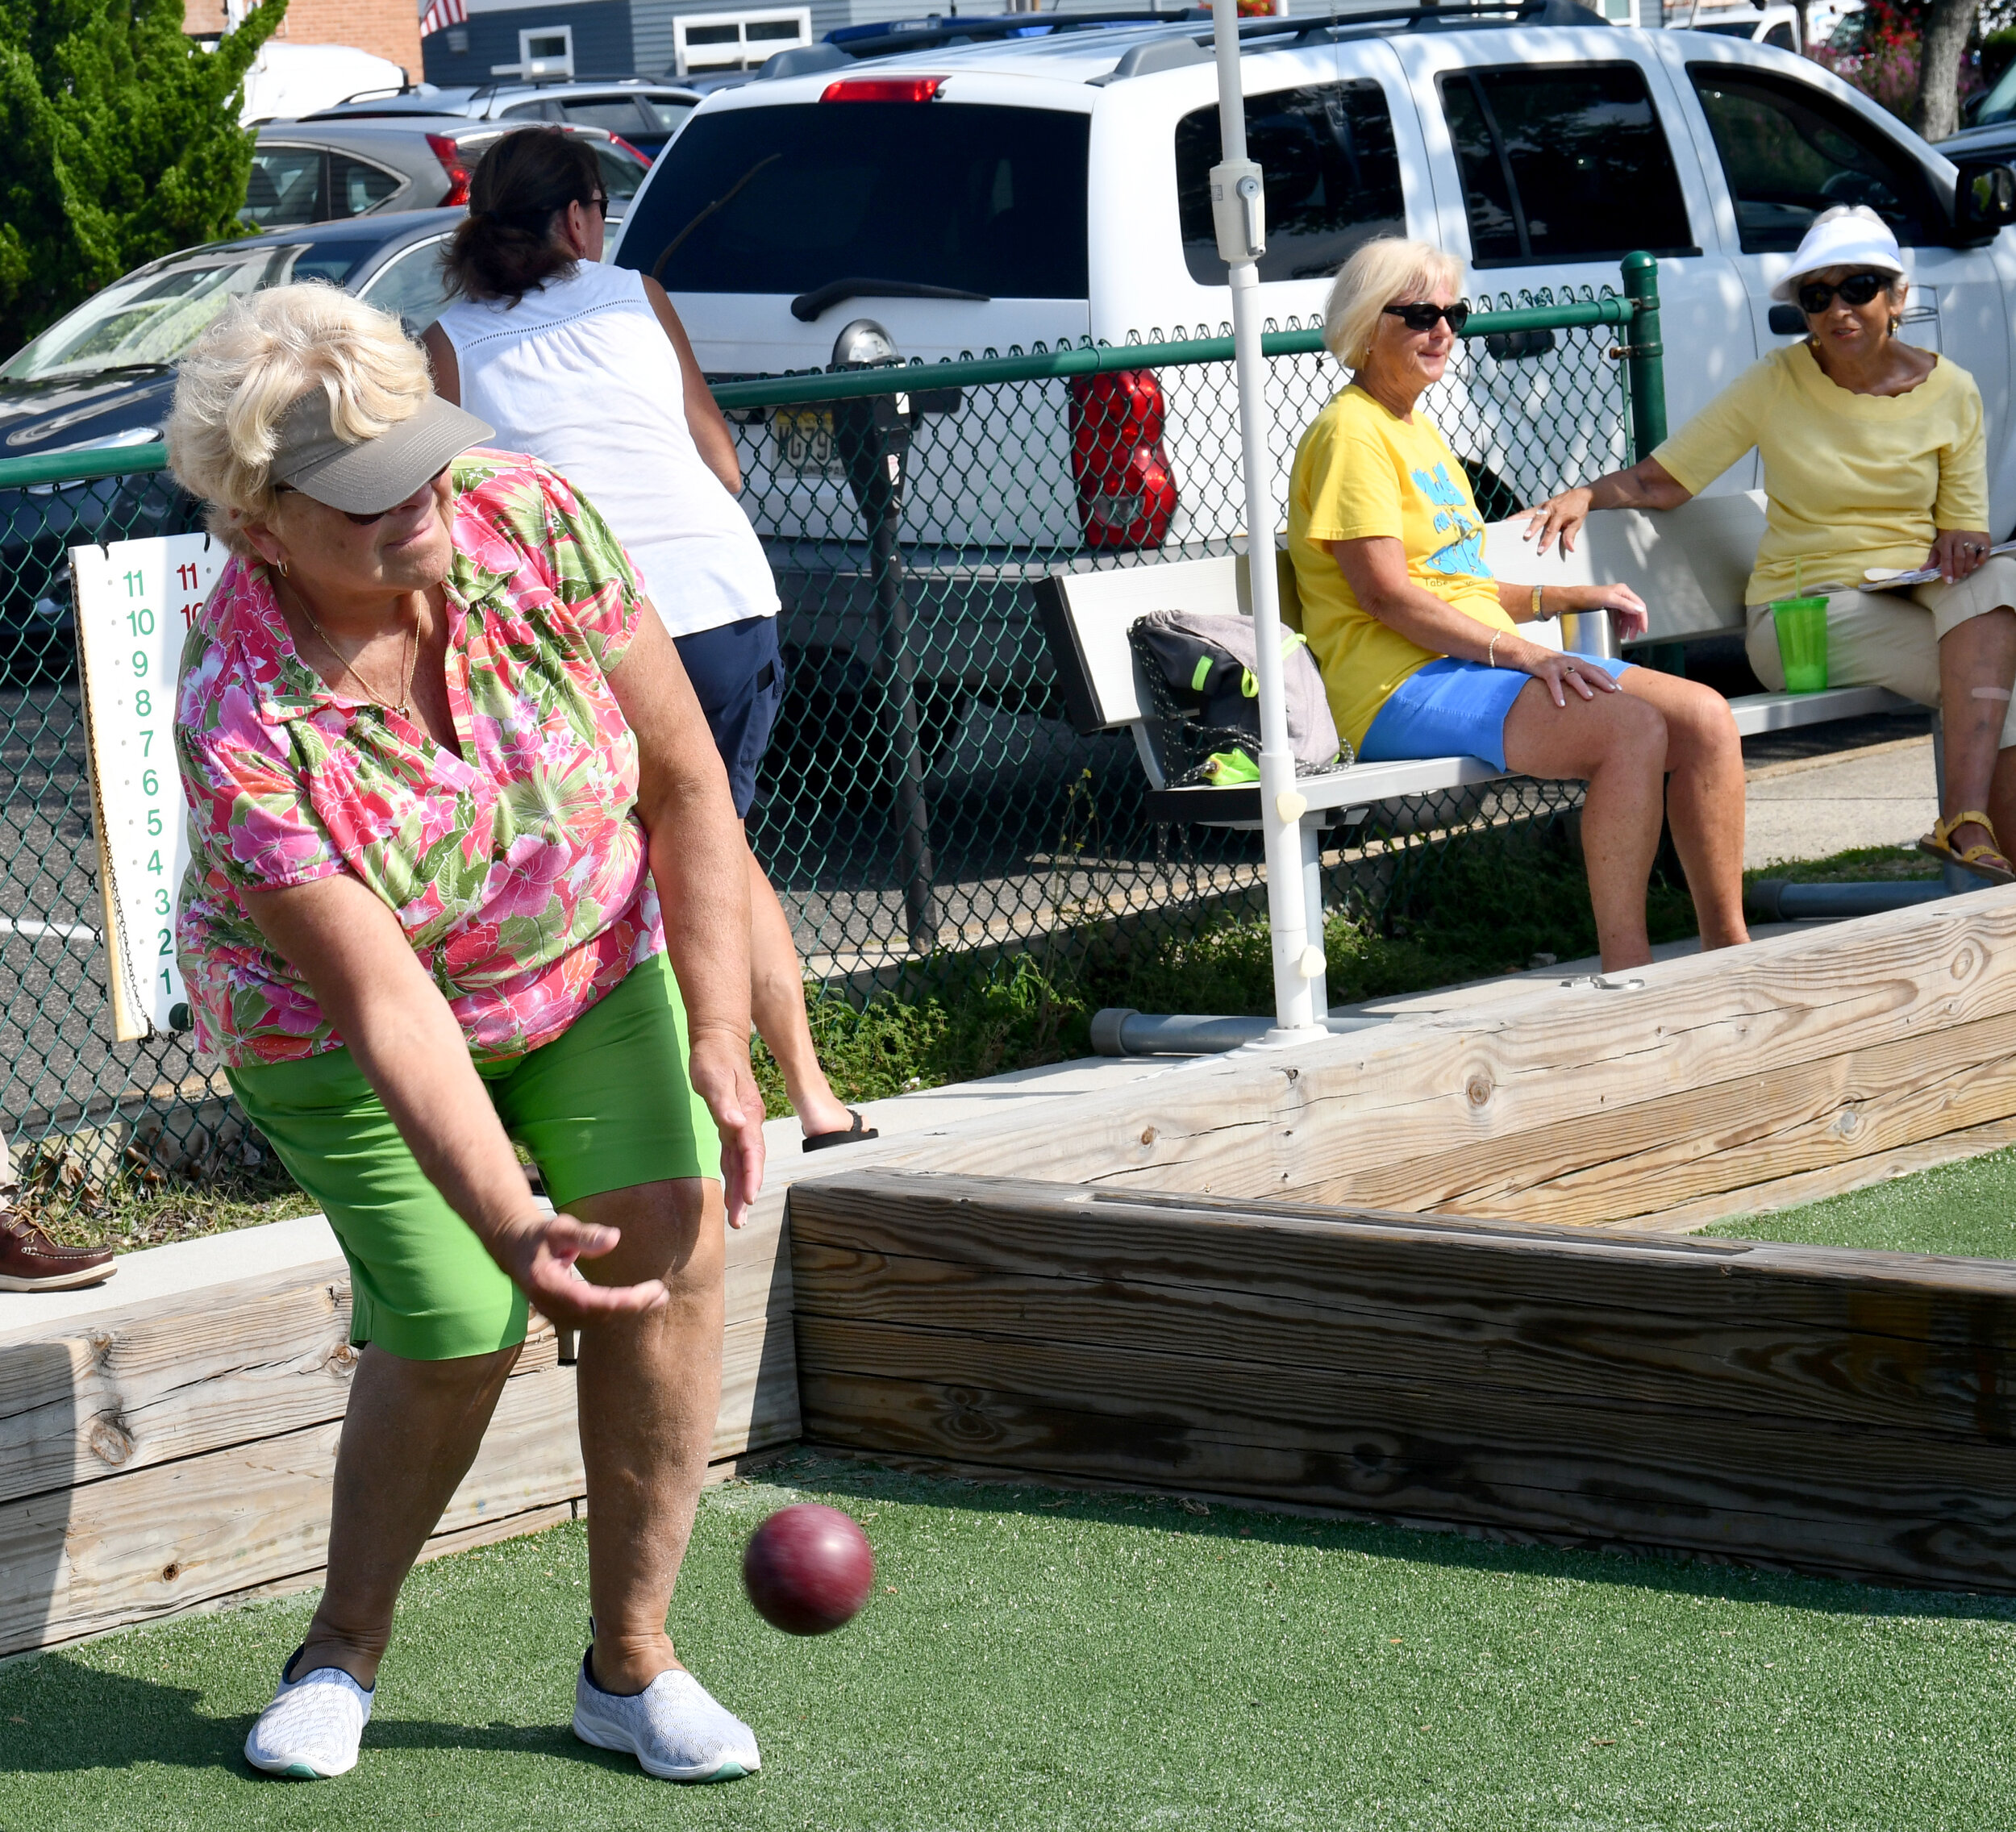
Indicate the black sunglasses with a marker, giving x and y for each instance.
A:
(1815, 296)
(600, 200)
(370, 518)
(1423, 316)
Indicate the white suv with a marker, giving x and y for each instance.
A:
(988, 196)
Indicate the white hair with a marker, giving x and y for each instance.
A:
(1386, 271)
(258, 357)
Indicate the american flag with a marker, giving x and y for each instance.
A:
(440, 13)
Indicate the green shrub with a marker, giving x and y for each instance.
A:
(121, 143)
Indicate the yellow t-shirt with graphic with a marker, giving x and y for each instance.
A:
(1361, 471)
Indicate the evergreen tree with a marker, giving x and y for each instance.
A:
(119, 141)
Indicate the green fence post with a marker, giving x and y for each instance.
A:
(1644, 355)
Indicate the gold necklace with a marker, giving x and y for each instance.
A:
(408, 656)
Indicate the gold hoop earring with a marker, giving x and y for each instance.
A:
(1895, 321)
(281, 567)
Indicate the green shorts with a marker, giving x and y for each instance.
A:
(606, 1105)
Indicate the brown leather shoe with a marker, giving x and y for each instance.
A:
(30, 1261)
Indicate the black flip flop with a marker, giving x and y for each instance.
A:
(824, 1141)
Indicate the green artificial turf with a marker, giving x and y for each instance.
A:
(1968, 1209)
(1038, 1659)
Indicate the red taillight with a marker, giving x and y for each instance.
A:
(635, 152)
(1127, 493)
(884, 89)
(450, 155)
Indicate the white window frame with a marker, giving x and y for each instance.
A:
(528, 66)
(706, 60)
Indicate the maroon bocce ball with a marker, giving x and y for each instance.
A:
(808, 1569)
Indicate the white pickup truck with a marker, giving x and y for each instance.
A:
(981, 196)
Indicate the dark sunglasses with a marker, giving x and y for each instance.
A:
(1815, 296)
(368, 519)
(1423, 316)
(600, 200)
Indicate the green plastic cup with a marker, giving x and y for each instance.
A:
(1801, 624)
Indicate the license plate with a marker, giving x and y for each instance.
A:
(803, 437)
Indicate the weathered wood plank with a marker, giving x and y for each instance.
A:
(1832, 1179)
(1838, 1411)
(1307, 1117)
(1291, 1257)
(179, 1376)
(1699, 1142)
(175, 1378)
(1456, 1459)
(160, 1539)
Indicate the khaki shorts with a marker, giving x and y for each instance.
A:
(1891, 639)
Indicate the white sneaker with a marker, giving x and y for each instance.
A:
(311, 1730)
(672, 1727)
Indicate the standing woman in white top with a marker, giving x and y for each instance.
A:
(588, 367)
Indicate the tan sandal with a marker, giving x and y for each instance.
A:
(1983, 861)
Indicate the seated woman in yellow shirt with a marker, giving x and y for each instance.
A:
(1418, 643)
(1873, 457)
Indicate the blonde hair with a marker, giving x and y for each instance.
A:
(259, 357)
(1385, 272)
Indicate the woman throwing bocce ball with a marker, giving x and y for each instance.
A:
(1873, 457)
(443, 773)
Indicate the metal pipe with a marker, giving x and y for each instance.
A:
(1120, 1031)
(902, 726)
(1645, 356)
(1240, 217)
(1774, 900)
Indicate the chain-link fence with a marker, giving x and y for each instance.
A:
(925, 804)
(925, 797)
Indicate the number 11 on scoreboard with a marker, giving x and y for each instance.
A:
(135, 602)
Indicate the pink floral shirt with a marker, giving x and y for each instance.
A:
(518, 869)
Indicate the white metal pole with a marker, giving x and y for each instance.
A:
(1240, 216)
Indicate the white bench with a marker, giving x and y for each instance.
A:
(1689, 565)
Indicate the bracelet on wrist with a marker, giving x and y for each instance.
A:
(1491, 650)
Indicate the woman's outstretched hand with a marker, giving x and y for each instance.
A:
(538, 1255)
(1561, 518)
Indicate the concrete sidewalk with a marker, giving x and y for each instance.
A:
(1813, 807)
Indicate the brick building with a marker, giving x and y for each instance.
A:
(386, 28)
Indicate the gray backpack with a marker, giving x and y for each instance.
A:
(1205, 698)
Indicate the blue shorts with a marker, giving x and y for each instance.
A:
(1453, 708)
(737, 673)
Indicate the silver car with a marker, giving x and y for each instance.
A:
(318, 170)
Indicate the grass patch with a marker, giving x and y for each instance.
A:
(1860, 864)
(130, 1212)
(1967, 1208)
(1080, 1663)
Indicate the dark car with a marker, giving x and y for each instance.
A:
(318, 170)
(645, 114)
(101, 379)
(1991, 129)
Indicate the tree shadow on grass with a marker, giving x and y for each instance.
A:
(1649, 1568)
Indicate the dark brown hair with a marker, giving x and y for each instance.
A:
(505, 247)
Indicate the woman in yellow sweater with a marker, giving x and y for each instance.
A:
(1873, 457)
(1419, 646)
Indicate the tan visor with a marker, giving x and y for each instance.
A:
(368, 476)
